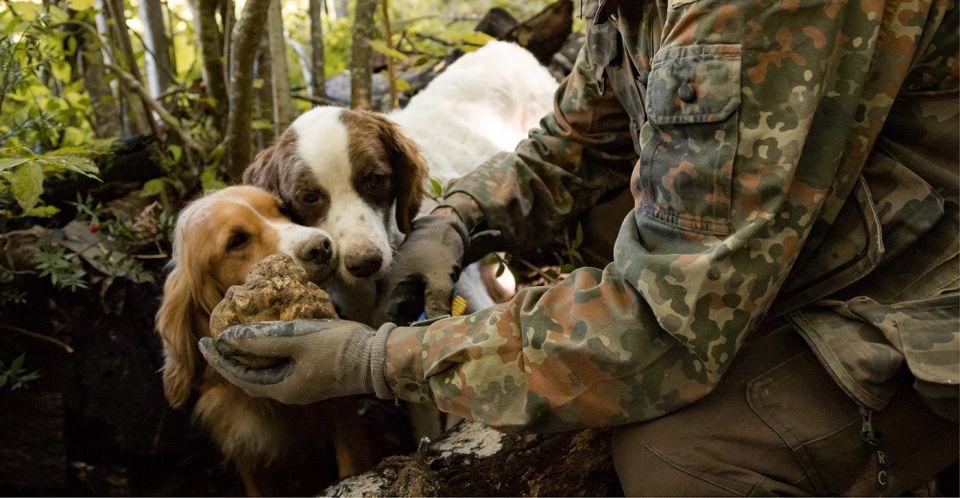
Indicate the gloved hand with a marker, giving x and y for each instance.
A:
(305, 360)
(427, 265)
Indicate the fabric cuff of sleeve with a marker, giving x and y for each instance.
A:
(378, 356)
(466, 207)
(403, 367)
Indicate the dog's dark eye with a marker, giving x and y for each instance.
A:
(309, 197)
(373, 183)
(237, 240)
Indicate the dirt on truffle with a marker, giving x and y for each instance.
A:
(277, 288)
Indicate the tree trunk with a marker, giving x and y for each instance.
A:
(319, 80)
(210, 44)
(361, 78)
(247, 33)
(391, 64)
(106, 113)
(263, 73)
(475, 460)
(279, 74)
(159, 68)
(137, 113)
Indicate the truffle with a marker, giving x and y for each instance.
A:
(276, 288)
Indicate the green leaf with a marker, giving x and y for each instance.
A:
(58, 15)
(500, 269)
(80, 5)
(17, 363)
(261, 124)
(258, 83)
(41, 211)
(73, 136)
(402, 85)
(29, 11)
(153, 187)
(210, 180)
(61, 70)
(11, 162)
(26, 183)
(436, 186)
(382, 47)
(176, 152)
(578, 239)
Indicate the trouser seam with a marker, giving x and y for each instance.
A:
(692, 474)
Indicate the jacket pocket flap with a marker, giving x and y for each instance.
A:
(694, 84)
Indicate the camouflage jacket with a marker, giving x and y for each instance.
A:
(791, 161)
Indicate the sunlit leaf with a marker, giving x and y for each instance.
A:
(210, 181)
(58, 15)
(61, 70)
(153, 187)
(73, 136)
(11, 162)
(28, 11)
(261, 124)
(176, 152)
(382, 47)
(80, 5)
(26, 183)
(402, 85)
(41, 211)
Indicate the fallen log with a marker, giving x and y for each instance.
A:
(475, 460)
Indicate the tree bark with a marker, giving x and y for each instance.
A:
(210, 44)
(319, 80)
(247, 33)
(279, 74)
(263, 73)
(106, 113)
(159, 69)
(361, 79)
(391, 64)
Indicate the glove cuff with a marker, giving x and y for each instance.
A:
(466, 207)
(378, 358)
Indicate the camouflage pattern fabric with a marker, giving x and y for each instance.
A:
(781, 153)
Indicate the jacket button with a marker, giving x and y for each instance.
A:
(686, 92)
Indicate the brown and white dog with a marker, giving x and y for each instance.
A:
(360, 175)
(217, 240)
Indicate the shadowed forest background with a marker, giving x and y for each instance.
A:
(113, 115)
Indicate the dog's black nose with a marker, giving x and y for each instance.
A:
(317, 249)
(364, 262)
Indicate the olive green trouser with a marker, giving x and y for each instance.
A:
(778, 424)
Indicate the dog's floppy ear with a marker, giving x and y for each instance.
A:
(182, 320)
(409, 172)
(178, 322)
(268, 166)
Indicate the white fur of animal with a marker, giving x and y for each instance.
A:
(360, 175)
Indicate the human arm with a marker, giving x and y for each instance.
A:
(727, 191)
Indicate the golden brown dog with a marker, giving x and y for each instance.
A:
(218, 238)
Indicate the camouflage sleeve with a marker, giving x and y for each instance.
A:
(560, 170)
(759, 120)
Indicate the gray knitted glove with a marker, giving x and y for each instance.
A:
(301, 361)
(427, 265)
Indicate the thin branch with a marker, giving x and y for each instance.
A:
(129, 81)
(152, 54)
(42, 337)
